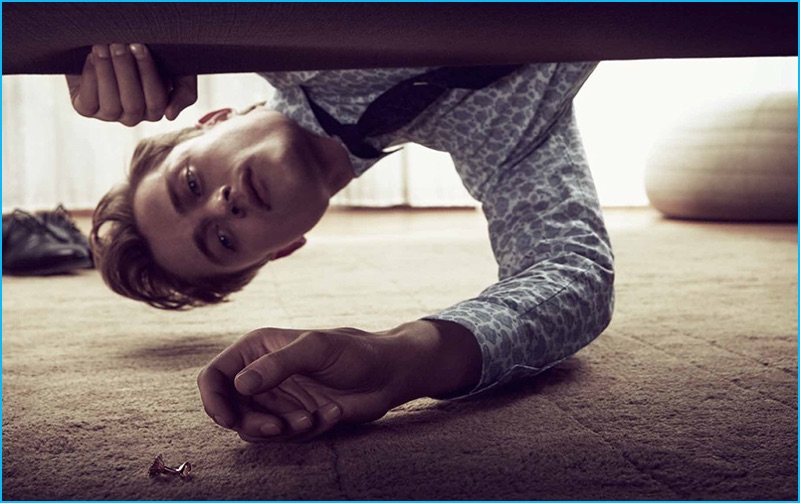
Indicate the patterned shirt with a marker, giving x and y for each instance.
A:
(516, 146)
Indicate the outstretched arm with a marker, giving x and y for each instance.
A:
(122, 83)
(556, 287)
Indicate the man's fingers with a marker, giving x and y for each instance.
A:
(155, 92)
(83, 89)
(296, 425)
(263, 426)
(256, 424)
(74, 82)
(298, 422)
(121, 83)
(216, 381)
(129, 87)
(110, 107)
(184, 94)
(325, 418)
(217, 395)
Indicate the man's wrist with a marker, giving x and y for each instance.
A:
(443, 359)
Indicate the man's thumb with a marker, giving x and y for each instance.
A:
(184, 94)
(269, 371)
(249, 381)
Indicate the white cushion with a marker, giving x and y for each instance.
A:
(733, 162)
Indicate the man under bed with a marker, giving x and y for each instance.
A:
(204, 209)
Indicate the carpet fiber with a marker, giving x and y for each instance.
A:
(691, 393)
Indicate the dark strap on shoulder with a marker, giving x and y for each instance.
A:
(402, 103)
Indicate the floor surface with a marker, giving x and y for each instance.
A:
(691, 393)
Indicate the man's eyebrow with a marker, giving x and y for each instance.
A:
(199, 238)
(173, 194)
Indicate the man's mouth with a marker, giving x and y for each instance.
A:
(256, 192)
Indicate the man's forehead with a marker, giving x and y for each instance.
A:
(177, 153)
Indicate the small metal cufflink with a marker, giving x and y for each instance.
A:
(158, 467)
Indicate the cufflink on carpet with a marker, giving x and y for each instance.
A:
(158, 467)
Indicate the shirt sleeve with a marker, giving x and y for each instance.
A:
(555, 289)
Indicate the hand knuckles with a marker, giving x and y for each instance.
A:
(129, 121)
(135, 110)
(106, 118)
(317, 337)
(257, 333)
(350, 331)
(85, 111)
(154, 116)
(107, 113)
(157, 104)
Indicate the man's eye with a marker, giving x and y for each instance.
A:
(225, 241)
(191, 181)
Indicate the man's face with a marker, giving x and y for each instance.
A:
(244, 190)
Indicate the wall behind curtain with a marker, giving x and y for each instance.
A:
(51, 155)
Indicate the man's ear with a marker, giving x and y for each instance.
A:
(289, 249)
(212, 118)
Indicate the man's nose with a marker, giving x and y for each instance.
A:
(227, 202)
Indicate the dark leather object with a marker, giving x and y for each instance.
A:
(199, 38)
(31, 248)
(60, 223)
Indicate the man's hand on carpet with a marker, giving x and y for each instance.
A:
(281, 384)
(121, 83)
(295, 384)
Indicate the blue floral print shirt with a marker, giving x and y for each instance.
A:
(516, 146)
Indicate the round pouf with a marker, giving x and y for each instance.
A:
(735, 162)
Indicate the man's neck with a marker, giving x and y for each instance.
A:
(334, 161)
(330, 154)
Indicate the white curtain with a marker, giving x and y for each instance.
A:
(51, 155)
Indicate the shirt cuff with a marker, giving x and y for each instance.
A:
(494, 327)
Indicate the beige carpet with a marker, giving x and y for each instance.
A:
(690, 394)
